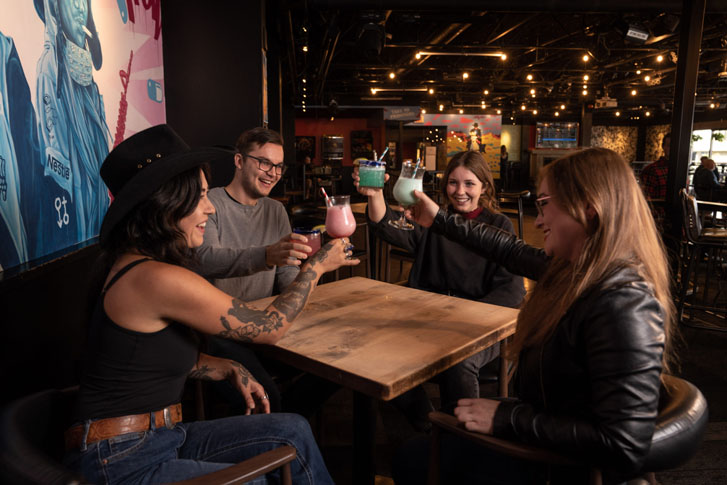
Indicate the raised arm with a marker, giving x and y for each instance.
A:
(495, 244)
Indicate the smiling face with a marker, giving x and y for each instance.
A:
(74, 15)
(564, 236)
(193, 225)
(254, 182)
(464, 190)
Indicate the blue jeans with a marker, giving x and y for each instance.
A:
(189, 450)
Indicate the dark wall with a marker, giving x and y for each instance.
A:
(43, 321)
(213, 71)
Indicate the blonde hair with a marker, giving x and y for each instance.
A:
(475, 163)
(622, 233)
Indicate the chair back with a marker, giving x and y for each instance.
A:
(690, 214)
(680, 425)
(31, 438)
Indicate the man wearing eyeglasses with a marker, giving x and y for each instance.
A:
(249, 250)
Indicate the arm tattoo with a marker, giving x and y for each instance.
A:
(254, 322)
(293, 299)
(244, 374)
(203, 372)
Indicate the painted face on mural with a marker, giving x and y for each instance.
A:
(74, 15)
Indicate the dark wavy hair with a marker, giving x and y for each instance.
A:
(152, 227)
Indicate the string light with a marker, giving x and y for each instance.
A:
(659, 58)
(523, 107)
(373, 90)
(532, 91)
(305, 80)
(424, 111)
(305, 48)
(638, 72)
(499, 111)
(648, 113)
(585, 58)
(557, 113)
(529, 77)
(486, 91)
(431, 91)
(465, 75)
(647, 78)
(585, 92)
(586, 77)
(418, 55)
(503, 56)
(441, 107)
(633, 92)
(618, 113)
(535, 111)
(392, 75)
(711, 105)
(461, 111)
(562, 106)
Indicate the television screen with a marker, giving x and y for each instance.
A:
(556, 135)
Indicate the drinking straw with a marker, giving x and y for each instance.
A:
(383, 154)
(416, 167)
(328, 201)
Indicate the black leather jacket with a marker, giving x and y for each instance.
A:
(591, 390)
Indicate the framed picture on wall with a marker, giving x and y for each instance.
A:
(362, 144)
(305, 146)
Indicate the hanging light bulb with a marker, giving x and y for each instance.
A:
(392, 75)
(586, 77)
(585, 58)
(486, 91)
(441, 107)
(557, 113)
(431, 90)
(523, 107)
(618, 113)
(465, 75)
(499, 111)
(647, 78)
(562, 106)
(529, 77)
(633, 92)
(659, 58)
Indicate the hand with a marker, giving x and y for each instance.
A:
(424, 212)
(250, 389)
(476, 414)
(287, 251)
(367, 191)
(333, 255)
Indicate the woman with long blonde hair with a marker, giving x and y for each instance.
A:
(594, 336)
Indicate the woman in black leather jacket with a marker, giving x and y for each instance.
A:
(593, 337)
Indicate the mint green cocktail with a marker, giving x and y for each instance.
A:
(404, 190)
(410, 179)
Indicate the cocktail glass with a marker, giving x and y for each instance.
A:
(410, 179)
(313, 236)
(371, 173)
(339, 217)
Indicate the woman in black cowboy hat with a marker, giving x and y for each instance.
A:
(141, 344)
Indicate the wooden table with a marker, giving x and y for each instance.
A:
(380, 340)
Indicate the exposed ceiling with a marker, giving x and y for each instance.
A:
(352, 50)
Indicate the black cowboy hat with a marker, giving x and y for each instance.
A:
(142, 163)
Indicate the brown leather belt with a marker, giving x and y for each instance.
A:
(104, 429)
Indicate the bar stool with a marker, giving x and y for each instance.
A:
(699, 240)
(509, 197)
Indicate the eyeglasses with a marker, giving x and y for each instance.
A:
(541, 202)
(266, 165)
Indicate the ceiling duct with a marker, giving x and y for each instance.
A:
(371, 40)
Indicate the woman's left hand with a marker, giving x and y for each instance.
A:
(250, 389)
(476, 414)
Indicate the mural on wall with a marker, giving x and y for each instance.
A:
(470, 132)
(654, 136)
(76, 78)
(621, 139)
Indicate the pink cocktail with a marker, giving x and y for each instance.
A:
(314, 238)
(339, 218)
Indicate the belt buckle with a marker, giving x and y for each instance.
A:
(167, 418)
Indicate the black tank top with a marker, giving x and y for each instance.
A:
(128, 372)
